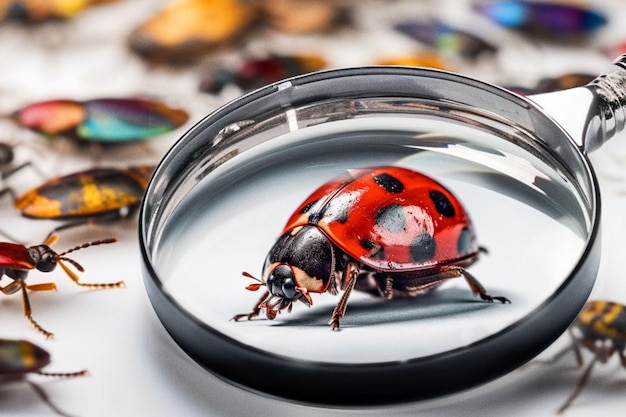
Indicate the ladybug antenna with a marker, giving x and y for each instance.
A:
(253, 287)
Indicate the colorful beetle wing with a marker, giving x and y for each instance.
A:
(20, 357)
(51, 117)
(446, 38)
(189, 28)
(15, 256)
(542, 18)
(120, 120)
(391, 218)
(603, 319)
(39, 11)
(83, 194)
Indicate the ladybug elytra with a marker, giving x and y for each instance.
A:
(388, 231)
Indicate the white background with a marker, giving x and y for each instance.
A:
(135, 367)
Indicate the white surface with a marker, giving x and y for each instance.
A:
(135, 367)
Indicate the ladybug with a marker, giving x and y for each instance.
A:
(387, 231)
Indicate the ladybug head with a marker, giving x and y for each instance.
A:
(283, 289)
(281, 282)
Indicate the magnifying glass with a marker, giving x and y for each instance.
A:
(221, 196)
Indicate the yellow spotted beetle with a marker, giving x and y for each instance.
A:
(602, 328)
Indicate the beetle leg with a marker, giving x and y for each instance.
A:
(44, 397)
(388, 290)
(576, 348)
(352, 273)
(622, 358)
(74, 277)
(28, 311)
(582, 381)
(475, 286)
(256, 310)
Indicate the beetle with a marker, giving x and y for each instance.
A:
(446, 38)
(39, 11)
(257, 72)
(7, 157)
(388, 231)
(92, 195)
(540, 18)
(19, 358)
(103, 120)
(17, 260)
(602, 328)
(186, 30)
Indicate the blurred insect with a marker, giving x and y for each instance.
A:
(602, 328)
(17, 260)
(7, 157)
(189, 28)
(18, 358)
(302, 17)
(97, 195)
(543, 18)
(257, 72)
(35, 11)
(105, 120)
(446, 38)
(550, 84)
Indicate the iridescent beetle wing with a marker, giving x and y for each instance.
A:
(121, 120)
(543, 18)
(101, 120)
(446, 38)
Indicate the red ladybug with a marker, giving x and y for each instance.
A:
(388, 231)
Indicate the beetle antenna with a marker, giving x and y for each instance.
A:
(84, 245)
(76, 265)
(248, 275)
(84, 372)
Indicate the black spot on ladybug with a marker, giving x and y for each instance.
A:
(464, 244)
(423, 247)
(442, 203)
(308, 207)
(389, 183)
(338, 208)
(391, 218)
(375, 249)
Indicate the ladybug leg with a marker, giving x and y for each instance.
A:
(387, 292)
(352, 273)
(256, 310)
(475, 286)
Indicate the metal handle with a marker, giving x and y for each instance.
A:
(609, 90)
(592, 114)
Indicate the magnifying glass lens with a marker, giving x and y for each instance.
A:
(223, 195)
(525, 210)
